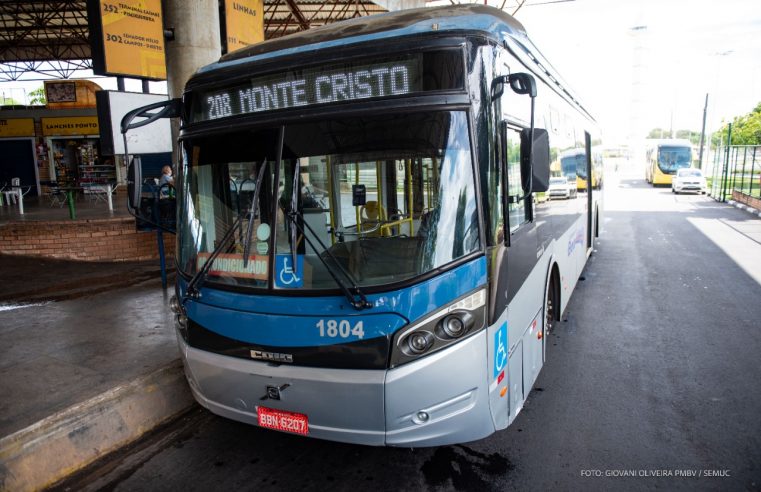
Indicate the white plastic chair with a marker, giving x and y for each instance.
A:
(16, 193)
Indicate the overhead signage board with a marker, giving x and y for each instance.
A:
(354, 80)
(312, 86)
(70, 125)
(16, 127)
(150, 139)
(127, 38)
(244, 23)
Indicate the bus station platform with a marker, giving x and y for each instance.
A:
(93, 233)
(88, 363)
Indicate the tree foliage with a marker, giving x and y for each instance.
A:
(37, 97)
(691, 135)
(746, 129)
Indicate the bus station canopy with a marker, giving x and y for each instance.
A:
(42, 39)
(49, 39)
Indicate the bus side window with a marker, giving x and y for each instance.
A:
(516, 210)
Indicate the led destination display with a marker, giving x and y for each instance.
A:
(315, 86)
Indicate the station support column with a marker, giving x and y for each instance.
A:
(196, 42)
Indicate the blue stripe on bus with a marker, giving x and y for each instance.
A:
(295, 321)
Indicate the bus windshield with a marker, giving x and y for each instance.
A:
(672, 158)
(385, 198)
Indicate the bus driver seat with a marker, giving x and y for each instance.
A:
(371, 212)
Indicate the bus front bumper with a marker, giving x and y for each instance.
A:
(437, 400)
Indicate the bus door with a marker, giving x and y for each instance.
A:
(590, 186)
(522, 245)
(524, 349)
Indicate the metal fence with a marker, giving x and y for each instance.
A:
(736, 168)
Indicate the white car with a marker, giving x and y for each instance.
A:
(688, 179)
(560, 187)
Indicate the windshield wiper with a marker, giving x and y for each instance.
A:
(252, 213)
(197, 280)
(294, 207)
(353, 293)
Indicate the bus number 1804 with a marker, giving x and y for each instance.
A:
(334, 329)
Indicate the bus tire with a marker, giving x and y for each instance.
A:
(597, 222)
(551, 304)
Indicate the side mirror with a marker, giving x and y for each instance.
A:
(498, 87)
(134, 182)
(171, 108)
(538, 167)
(521, 83)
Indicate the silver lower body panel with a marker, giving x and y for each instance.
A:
(370, 407)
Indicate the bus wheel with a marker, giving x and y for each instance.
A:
(550, 305)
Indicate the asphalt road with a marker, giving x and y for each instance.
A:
(653, 380)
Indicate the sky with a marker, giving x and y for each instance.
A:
(636, 80)
(632, 80)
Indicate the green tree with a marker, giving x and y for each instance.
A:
(746, 129)
(9, 101)
(37, 97)
(691, 135)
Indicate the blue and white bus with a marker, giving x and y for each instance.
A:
(360, 254)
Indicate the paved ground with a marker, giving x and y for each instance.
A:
(28, 279)
(654, 372)
(39, 208)
(57, 354)
(114, 326)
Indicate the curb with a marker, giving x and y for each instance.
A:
(57, 446)
(742, 206)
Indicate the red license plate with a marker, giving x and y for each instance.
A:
(270, 418)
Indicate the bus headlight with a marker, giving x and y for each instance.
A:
(417, 343)
(445, 327)
(455, 325)
(180, 318)
(174, 305)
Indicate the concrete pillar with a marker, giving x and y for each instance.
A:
(196, 43)
(196, 39)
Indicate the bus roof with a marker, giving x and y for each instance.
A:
(452, 18)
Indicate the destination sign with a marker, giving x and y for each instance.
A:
(312, 87)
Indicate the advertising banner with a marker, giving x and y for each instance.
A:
(244, 23)
(16, 127)
(70, 125)
(127, 38)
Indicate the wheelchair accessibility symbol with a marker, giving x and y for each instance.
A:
(500, 349)
(286, 276)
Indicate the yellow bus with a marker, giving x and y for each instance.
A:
(664, 158)
(573, 165)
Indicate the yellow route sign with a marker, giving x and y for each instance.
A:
(131, 38)
(16, 127)
(70, 125)
(244, 23)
